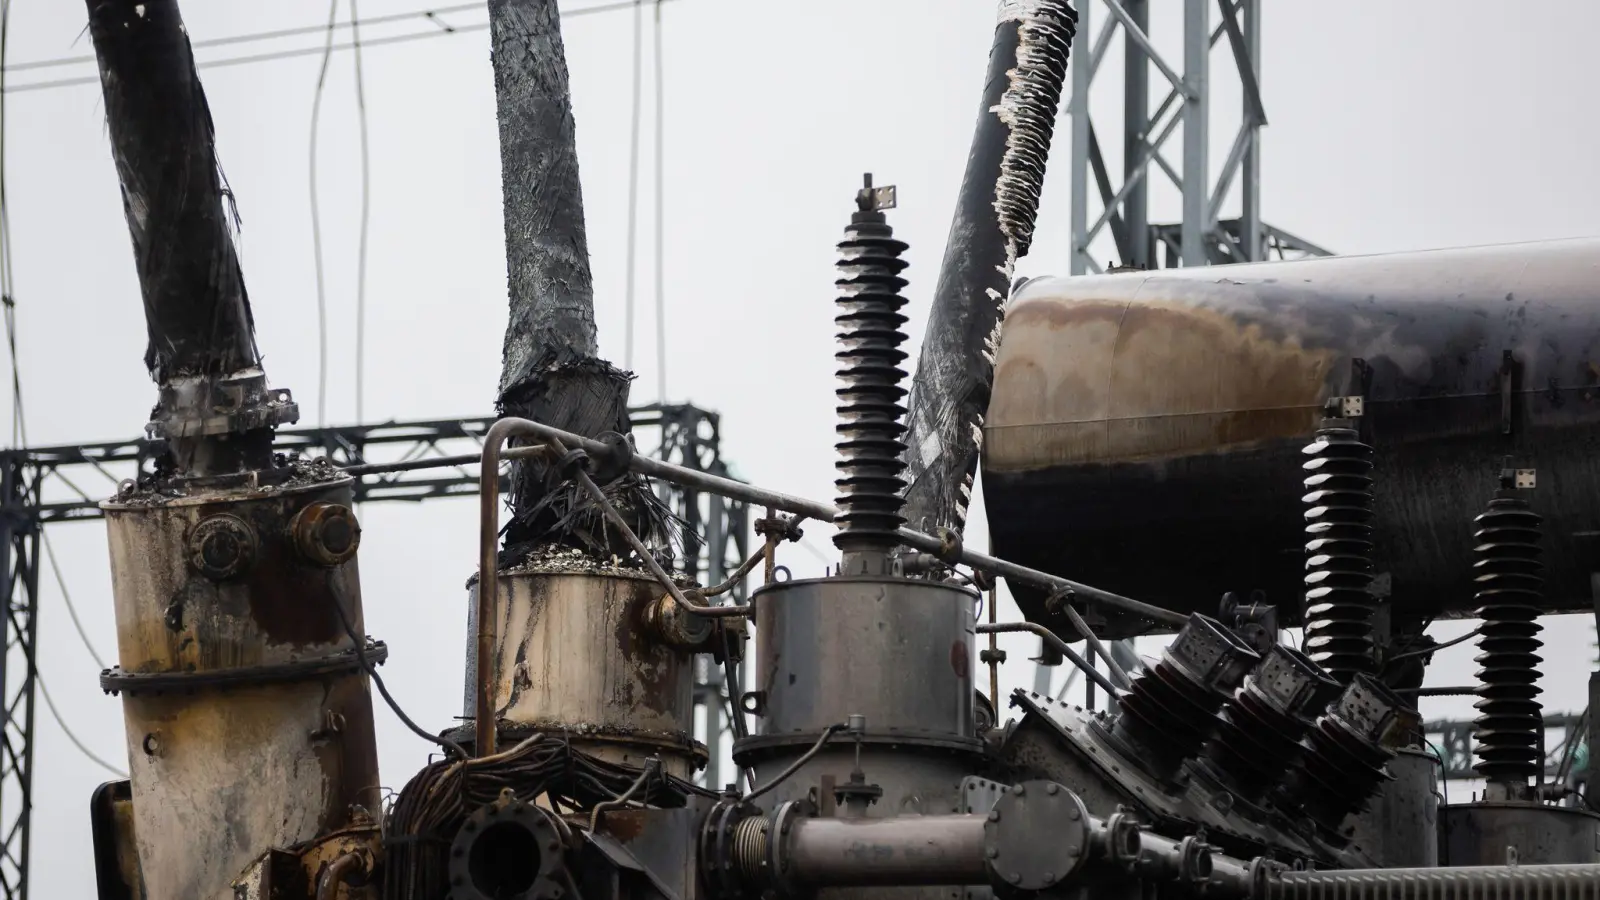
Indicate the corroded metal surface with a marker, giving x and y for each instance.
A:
(573, 657)
(1162, 413)
(221, 772)
(1400, 827)
(1491, 834)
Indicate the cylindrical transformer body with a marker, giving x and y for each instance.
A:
(573, 656)
(895, 651)
(1488, 834)
(1399, 828)
(1170, 408)
(248, 717)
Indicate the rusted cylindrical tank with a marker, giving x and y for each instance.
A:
(1146, 429)
(575, 656)
(249, 723)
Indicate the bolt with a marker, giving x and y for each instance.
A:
(1053, 789)
(992, 853)
(1015, 877)
(152, 745)
(1073, 814)
(1018, 791)
(994, 815)
(1049, 876)
(1073, 852)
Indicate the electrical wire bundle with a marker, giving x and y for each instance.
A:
(430, 809)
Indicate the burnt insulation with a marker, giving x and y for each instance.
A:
(173, 191)
(991, 230)
(550, 372)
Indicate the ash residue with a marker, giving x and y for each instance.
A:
(286, 475)
(559, 559)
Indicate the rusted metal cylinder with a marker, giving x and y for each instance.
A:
(1168, 409)
(575, 656)
(249, 723)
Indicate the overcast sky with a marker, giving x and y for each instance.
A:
(1394, 126)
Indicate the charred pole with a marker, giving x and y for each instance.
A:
(215, 409)
(991, 230)
(550, 370)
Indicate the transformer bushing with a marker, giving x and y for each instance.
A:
(1344, 755)
(585, 655)
(248, 717)
(1262, 724)
(1170, 710)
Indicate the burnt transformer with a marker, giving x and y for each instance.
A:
(1360, 446)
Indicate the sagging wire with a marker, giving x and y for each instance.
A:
(1434, 648)
(794, 767)
(50, 704)
(361, 264)
(633, 184)
(360, 643)
(316, 224)
(72, 610)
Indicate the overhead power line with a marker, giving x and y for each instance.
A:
(438, 27)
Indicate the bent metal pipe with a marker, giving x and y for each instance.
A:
(489, 529)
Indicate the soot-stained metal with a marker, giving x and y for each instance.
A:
(550, 371)
(174, 193)
(992, 229)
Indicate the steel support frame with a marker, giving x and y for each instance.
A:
(1202, 237)
(63, 484)
(1452, 740)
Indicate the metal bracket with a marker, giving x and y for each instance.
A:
(1353, 407)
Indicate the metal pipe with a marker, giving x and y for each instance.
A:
(1055, 641)
(811, 509)
(911, 850)
(336, 872)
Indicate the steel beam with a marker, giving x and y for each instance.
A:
(1202, 237)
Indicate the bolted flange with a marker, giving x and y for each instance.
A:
(222, 547)
(1037, 836)
(325, 534)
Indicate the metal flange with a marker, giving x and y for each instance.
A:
(1037, 836)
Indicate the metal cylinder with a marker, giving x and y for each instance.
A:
(1400, 827)
(895, 650)
(248, 720)
(1491, 834)
(573, 657)
(1169, 408)
(912, 850)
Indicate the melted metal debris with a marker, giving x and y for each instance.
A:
(290, 474)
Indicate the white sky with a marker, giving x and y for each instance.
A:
(1393, 126)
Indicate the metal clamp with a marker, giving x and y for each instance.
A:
(116, 680)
